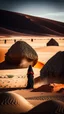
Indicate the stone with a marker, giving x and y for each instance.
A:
(53, 70)
(21, 54)
(52, 42)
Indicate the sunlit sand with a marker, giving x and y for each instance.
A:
(44, 97)
(19, 79)
(13, 103)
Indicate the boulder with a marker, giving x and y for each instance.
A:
(21, 54)
(53, 70)
(52, 42)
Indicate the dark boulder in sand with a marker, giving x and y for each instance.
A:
(49, 107)
(21, 54)
(52, 42)
(53, 70)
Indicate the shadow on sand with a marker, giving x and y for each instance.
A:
(44, 88)
(9, 89)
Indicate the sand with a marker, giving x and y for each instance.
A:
(44, 54)
(49, 107)
(12, 103)
(22, 101)
(18, 82)
(16, 78)
(57, 87)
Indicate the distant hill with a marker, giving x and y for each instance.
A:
(8, 32)
(12, 23)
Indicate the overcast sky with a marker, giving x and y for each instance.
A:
(52, 9)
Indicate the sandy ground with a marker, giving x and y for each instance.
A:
(44, 54)
(21, 101)
(35, 98)
(15, 78)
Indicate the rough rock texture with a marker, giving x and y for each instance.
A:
(53, 70)
(52, 42)
(21, 54)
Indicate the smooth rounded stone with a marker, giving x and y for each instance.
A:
(12, 103)
(53, 70)
(21, 54)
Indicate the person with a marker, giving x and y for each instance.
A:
(30, 76)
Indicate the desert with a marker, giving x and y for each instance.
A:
(44, 40)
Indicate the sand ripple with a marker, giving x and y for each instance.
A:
(12, 103)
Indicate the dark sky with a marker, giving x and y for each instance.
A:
(53, 9)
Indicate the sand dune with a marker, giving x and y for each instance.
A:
(30, 24)
(49, 107)
(8, 32)
(12, 103)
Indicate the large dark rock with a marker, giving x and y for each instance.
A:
(21, 54)
(52, 42)
(53, 70)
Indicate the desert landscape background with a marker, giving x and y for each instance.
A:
(37, 32)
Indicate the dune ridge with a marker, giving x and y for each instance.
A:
(8, 32)
(49, 107)
(27, 24)
(12, 103)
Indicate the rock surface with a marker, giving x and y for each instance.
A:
(52, 42)
(21, 54)
(53, 70)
